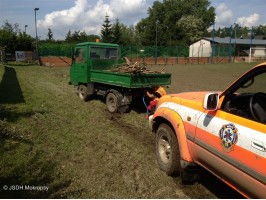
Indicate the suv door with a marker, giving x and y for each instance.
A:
(231, 143)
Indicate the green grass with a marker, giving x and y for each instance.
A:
(204, 77)
(48, 137)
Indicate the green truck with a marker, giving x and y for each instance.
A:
(98, 69)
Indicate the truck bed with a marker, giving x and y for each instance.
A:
(130, 80)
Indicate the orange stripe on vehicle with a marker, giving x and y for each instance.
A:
(255, 162)
(257, 188)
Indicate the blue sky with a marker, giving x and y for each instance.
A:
(88, 15)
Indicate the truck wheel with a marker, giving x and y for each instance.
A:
(83, 92)
(112, 102)
(167, 150)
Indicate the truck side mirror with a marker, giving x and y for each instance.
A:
(211, 101)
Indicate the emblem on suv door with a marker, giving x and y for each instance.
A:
(228, 136)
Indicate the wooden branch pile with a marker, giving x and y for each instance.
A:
(134, 68)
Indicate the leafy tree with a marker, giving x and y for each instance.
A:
(78, 36)
(189, 25)
(92, 38)
(8, 41)
(73, 38)
(16, 28)
(8, 27)
(11, 39)
(68, 36)
(50, 35)
(24, 42)
(165, 18)
(129, 36)
(83, 36)
(11, 28)
(260, 30)
(106, 31)
(240, 31)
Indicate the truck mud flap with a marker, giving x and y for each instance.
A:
(90, 87)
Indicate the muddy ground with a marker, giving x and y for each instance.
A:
(79, 150)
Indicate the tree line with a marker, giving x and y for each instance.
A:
(169, 23)
(12, 39)
(240, 32)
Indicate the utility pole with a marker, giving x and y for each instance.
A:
(156, 23)
(25, 28)
(37, 52)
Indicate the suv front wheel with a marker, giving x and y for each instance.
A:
(167, 150)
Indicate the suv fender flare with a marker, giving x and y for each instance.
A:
(176, 121)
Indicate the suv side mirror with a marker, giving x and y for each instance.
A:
(211, 101)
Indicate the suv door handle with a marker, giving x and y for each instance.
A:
(258, 145)
(82, 66)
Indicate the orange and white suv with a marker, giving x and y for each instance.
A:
(224, 132)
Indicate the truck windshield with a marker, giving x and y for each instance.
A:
(104, 53)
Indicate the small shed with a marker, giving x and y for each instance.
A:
(203, 47)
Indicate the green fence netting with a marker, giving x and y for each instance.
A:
(151, 51)
(142, 51)
(64, 50)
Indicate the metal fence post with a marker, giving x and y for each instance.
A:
(229, 54)
(212, 42)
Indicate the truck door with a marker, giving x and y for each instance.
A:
(232, 147)
(79, 68)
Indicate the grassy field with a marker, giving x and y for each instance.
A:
(48, 137)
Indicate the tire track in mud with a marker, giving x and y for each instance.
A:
(138, 181)
(143, 136)
(204, 188)
(133, 174)
(142, 185)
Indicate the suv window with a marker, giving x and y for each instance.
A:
(249, 100)
(254, 85)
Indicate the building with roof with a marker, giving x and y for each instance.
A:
(239, 48)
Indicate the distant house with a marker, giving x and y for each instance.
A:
(203, 47)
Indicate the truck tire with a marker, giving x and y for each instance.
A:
(167, 150)
(112, 102)
(83, 92)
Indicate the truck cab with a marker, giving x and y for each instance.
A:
(90, 56)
